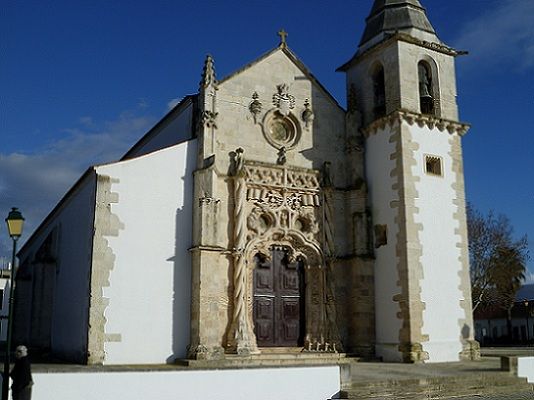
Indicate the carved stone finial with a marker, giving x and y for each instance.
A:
(281, 156)
(208, 74)
(256, 106)
(307, 114)
(283, 37)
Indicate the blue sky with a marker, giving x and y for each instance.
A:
(81, 81)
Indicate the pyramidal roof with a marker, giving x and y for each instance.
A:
(390, 16)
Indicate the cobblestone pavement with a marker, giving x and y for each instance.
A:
(519, 396)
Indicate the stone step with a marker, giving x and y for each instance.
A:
(269, 359)
(440, 388)
(496, 394)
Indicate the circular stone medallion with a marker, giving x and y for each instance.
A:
(281, 131)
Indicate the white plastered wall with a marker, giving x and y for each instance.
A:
(525, 368)
(378, 168)
(312, 383)
(440, 286)
(149, 286)
(73, 221)
(4, 310)
(69, 332)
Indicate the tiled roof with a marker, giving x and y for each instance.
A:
(389, 16)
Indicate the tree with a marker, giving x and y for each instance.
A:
(497, 261)
(508, 275)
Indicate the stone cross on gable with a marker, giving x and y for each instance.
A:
(283, 36)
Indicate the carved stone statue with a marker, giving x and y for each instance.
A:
(238, 162)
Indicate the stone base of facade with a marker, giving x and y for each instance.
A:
(363, 351)
(270, 359)
(413, 353)
(243, 349)
(204, 353)
(471, 351)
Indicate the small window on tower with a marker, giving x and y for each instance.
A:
(433, 165)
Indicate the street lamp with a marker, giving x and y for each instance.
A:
(15, 222)
(525, 302)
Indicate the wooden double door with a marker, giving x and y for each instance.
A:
(279, 300)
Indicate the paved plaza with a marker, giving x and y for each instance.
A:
(468, 380)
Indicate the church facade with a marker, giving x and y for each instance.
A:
(259, 215)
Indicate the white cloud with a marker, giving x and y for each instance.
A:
(142, 104)
(86, 121)
(502, 36)
(34, 182)
(529, 278)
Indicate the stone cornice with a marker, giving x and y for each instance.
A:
(439, 47)
(208, 248)
(403, 37)
(421, 120)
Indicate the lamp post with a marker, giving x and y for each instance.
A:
(15, 222)
(525, 302)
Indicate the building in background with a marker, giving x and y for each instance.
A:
(5, 276)
(491, 322)
(259, 215)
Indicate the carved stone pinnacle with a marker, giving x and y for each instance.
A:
(208, 74)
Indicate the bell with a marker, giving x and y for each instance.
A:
(424, 92)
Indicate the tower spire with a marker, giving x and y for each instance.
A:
(391, 16)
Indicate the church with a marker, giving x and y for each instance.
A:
(260, 216)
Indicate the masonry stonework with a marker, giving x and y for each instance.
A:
(105, 224)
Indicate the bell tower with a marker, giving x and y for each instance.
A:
(403, 78)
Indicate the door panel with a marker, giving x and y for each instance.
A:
(264, 318)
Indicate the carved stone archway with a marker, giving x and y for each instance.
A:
(281, 206)
(314, 294)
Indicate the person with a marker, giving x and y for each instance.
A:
(21, 374)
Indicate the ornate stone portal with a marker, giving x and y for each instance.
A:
(283, 207)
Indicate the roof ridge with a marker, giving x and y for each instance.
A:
(293, 57)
